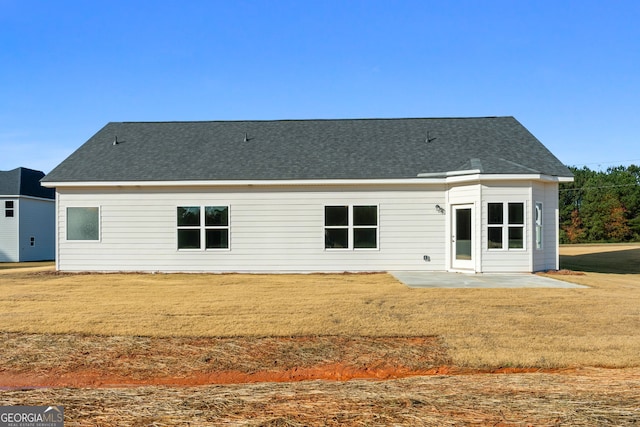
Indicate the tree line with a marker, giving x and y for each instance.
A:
(601, 206)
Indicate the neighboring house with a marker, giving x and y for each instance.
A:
(27, 217)
(451, 194)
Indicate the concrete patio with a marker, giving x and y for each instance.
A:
(420, 279)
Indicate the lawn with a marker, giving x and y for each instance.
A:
(208, 350)
(546, 328)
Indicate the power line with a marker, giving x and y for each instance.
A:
(606, 163)
(599, 187)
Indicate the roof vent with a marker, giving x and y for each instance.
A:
(115, 141)
(430, 138)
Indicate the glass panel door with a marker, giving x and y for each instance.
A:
(462, 237)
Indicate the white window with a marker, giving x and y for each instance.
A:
(351, 227)
(538, 225)
(505, 223)
(83, 223)
(203, 227)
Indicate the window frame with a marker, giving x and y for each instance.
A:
(9, 209)
(352, 228)
(99, 219)
(505, 226)
(538, 224)
(202, 228)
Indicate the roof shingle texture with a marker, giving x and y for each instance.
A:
(306, 149)
(24, 182)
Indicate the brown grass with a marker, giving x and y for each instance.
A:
(613, 258)
(28, 358)
(599, 326)
(40, 265)
(205, 323)
(586, 398)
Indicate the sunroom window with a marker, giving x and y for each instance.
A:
(505, 223)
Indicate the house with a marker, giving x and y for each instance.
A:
(27, 217)
(425, 194)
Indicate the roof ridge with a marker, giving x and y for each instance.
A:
(318, 119)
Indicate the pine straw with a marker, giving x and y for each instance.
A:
(141, 358)
(586, 398)
(582, 397)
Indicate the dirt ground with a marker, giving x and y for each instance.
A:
(298, 381)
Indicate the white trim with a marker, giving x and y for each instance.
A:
(506, 225)
(538, 235)
(57, 238)
(456, 264)
(66, 223)
(350, 227)
(245, 183)
(22, 196)
(203, 227)
(450, 173)
(453, 178)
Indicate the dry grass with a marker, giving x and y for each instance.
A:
(243, 315)
(599, 326)
(194, 360)
(586, 398)
(40, 265)
(614, 258)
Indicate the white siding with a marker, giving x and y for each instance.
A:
(9, 232)
(547, 257)
(271, 229)
(507, 260)
(37, 221)
(465, 195)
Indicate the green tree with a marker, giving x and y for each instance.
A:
(601, 205)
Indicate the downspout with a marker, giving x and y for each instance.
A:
(530, 227)
(16, 214)
(479, 234)
(56, 238)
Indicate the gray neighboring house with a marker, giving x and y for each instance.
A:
(422, 194)
(27, 217)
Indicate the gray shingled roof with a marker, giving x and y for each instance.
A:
(24, 182)
(306, 149)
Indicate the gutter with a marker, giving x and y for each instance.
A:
(456, 177)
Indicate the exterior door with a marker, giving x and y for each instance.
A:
(462, 237)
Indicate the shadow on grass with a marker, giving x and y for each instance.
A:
(624, 261)
(14, 265)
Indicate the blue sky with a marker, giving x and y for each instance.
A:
(567, 70)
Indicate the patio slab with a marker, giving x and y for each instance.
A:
(420, 279)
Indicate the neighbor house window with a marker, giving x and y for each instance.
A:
(538, 225)
(8, 208)
(203, 227)
(505, 223)
(351, 227)
(83, 223)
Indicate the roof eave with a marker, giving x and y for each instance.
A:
(422, 179)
